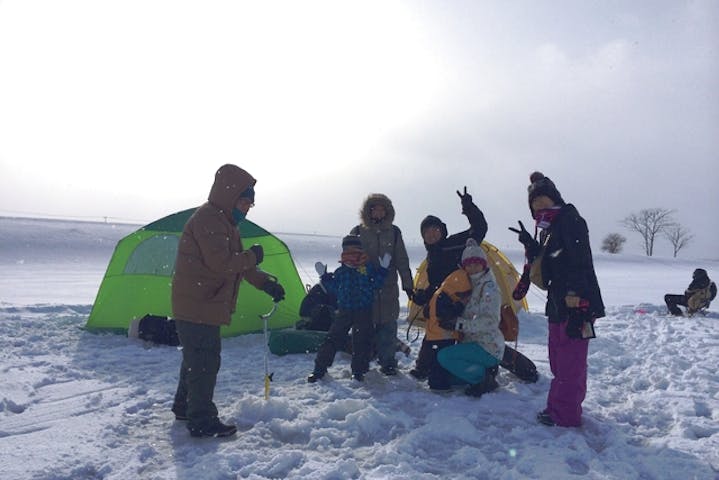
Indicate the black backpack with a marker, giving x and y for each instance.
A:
(157, 329)
(317, 310)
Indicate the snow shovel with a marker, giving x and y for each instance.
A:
(268, 375)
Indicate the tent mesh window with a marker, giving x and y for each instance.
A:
(153, 257)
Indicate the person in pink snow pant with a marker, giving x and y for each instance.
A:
(561, 261)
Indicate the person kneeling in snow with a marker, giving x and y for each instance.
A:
(697, 296)
(476, 357)
(353, 283)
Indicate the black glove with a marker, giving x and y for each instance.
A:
(448, 311)
(409, 292)
(525, 238)
(466, 199)
(259, 253)
(274, 289)
(420, 296)
(575, 321)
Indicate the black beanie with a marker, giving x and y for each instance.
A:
(700, 274)
(541, 185)
(351, 241)
(432, 221)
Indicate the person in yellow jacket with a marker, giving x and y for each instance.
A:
(445, 306)
(475, 359)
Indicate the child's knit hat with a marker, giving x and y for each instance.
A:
(351, 241)
(473, 253)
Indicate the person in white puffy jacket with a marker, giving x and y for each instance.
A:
(481, 346)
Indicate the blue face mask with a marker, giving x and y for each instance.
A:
(238, 215)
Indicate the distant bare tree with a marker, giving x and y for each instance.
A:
(678, 236)
(648, 223)
(613, 243)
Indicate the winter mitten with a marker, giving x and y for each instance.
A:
(409, 293)
(274, 289)
(320, 268)
(520, 291)
(384, 261)
(259, 253)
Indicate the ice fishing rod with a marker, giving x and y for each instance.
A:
(268, 375)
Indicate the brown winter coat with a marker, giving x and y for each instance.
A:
(211, 261)
(378, 239)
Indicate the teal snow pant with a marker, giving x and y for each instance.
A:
(467, 361)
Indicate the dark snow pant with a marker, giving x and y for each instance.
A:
(673, 300)
(386, 343)
(360, 321)
(438, 377)
(568, 362)
(425, 357)
(201, 346)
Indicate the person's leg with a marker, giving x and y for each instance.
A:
(467, 361)
(201, 348)
(568, 362)
(336, 340)
(438, 377)
(423, 362)
(386, 343)
(362, 338)
(672, 301)
(179, 405)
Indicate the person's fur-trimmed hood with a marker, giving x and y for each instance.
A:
(377, 199)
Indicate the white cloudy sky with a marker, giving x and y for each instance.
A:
(126, 108)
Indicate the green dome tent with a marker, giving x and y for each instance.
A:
(139, 277)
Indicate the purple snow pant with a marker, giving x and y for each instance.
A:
(568, 361)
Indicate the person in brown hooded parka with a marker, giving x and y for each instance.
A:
(211, 263)
(379, 237)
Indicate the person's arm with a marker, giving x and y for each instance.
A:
(477, 222)
(577, 252)
(401, 260)
(213, 240)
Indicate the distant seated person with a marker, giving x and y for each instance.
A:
(697, 296)
(317, 310)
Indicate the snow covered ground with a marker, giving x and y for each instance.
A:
(75, 405)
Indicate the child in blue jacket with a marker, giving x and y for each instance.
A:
(353, 284)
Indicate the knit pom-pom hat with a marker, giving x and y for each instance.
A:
(539, 185)
(473, 253)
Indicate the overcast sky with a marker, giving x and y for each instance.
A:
(125, 109)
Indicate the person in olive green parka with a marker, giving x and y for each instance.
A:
(380, 236)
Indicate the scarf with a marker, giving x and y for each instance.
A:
(546, 216)
(354, 259)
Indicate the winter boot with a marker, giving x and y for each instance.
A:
(544, 418)
(389, 370)
(180, 413)
(215, 428)
(418, 374)
(316, 375)
(359, 376)
(488, 384)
